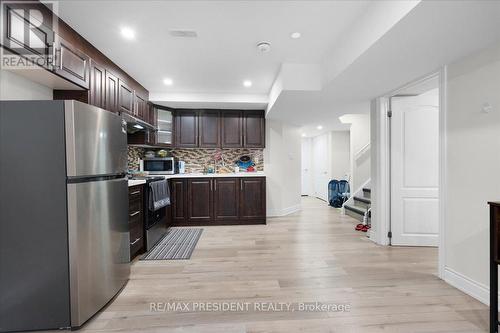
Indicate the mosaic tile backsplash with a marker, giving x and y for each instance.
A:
(197, 159)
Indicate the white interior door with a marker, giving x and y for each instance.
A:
(321, 166)
(415, 170)
(306, 166)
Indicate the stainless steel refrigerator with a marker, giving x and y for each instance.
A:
(64, 240)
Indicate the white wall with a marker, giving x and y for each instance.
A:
(340, 148)
(16, 87)
(360, 137)
(282, 165)
(472, 169)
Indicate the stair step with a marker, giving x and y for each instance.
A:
(367, 192)
(361, 203)
(363, 200)
(354, 213)
(355, 209)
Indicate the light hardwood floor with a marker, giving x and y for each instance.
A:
(311, 256)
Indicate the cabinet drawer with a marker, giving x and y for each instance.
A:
(135, 193)
(136, 231)
(134, 206)
(136, 244)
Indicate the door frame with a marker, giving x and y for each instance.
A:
(381, 165)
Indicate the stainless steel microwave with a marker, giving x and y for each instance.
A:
(159, 165)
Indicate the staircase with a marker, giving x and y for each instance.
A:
(358, 207)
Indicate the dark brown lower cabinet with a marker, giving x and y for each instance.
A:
(226, 199)
(252, 198)
(200, 200)
(178, 199)
(218, 201)
(136, 219)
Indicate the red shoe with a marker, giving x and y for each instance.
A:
(365, 228)
(359, 227)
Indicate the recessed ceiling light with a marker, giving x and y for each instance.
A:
(295, 35)
(303, 135)
(127, 33)
(319, 127)
(247, 83)
(168, 82)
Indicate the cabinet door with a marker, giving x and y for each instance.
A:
(253, 198)
(254, 129)
(111, 89)
(140, 107)
(186, 129)
(164, 124)
(200, 199)
(97, 91)
(209, 129)
(226, 199)
(178, 197)
(71, 63)
(125, 97)
(25, 35)
(232, 129)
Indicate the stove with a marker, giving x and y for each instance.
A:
(155, 222)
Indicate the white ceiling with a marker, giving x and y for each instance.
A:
(224, 53)
(431, 35)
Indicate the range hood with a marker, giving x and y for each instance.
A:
(135, 124)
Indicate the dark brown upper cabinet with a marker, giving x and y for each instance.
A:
(97, 91)
(231, 129)
(226, 198)
(71, 63)
(209, 121)
(186, 128)
(254, 129)
(199, 200)
(111, 89)
(140, 108)
(252, 198)
(125, 97)
(25, 35)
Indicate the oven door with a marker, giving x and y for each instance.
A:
(159, 166)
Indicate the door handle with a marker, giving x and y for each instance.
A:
(133, 243)
(136, 192)
(134, 213)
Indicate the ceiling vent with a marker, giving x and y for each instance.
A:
(183, 33)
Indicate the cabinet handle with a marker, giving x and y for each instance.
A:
(133, 243)
(136, 192)
(241, 185)
(215, 184)
(211, 185)
(134, 213)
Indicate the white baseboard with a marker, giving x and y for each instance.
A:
(284, 211)
(472, 288)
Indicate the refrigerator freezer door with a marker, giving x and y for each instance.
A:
(96, 141)
(98, 244)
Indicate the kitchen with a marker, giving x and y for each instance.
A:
(115, 177)
(168, 165)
